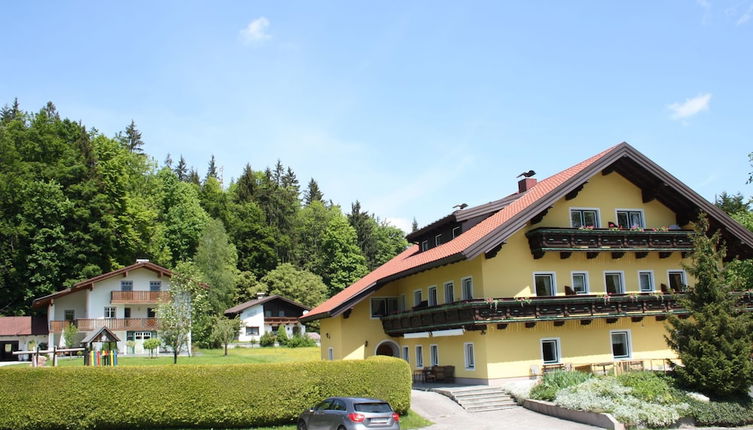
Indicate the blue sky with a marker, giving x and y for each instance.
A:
(410, 107)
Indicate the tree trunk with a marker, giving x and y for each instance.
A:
(225, 349)
(175, 357)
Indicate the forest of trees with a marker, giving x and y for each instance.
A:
(75, 203)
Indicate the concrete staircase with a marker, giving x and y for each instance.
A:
(478, 398)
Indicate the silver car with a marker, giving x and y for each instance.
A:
(350, 413)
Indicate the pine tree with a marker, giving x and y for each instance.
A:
(9, 113)
(193, 177)
(181, 170)
(715, 343)
(212, 169)
(313, 193)
(245, 188)
(414, 225)
(132, 138)
(169, 161)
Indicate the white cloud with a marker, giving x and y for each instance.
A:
(690, 107)
(746, 16)
(401, 223)
(256, 31)
(704, 3)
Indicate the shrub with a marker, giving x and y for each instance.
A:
(298, 341)
(242, 395)
(282, 335)
(722, 413)
(552, 382)
(652, 387)
(267, 339)
(151, 345)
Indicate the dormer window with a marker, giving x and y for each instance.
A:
(437, 240)
(424, 245)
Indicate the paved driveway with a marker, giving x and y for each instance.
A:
(448, 415)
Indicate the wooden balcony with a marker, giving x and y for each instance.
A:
(477, 314)
(145, 324)
(280, 320)
(138, 297)
(617, 241)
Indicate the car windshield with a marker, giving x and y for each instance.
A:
(372, 407)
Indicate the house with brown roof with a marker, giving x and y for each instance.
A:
(575, 270)
(21, 334)
(266, 314)
(124, 300)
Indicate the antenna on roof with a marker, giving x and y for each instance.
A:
(461, 206)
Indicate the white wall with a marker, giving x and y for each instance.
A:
(100, 295)
(75, 301)
(252, 317)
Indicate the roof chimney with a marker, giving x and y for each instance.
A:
(260, 295)
(526, 184)
(142, 260)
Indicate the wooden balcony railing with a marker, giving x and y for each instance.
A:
(138, 297)
(593, 241)
(280, 320)
(146, 324)
(476, 314)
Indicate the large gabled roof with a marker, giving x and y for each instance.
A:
(493, 231)
(260, 301)
(89, 283)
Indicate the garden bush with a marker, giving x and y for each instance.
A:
(267, 339)
(652, 387)
(552, 382)
(241, 395)
(722, 413)
(298, 341)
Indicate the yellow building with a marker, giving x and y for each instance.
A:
(579, 268)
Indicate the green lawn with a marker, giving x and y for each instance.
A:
(215, 356)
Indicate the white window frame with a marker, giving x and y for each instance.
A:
(558, 349)
(586, 282)
(420, 294)
(652, 279)
(469, 356)
(153, 284)
(598, 215)
(424, 245)
(110, 312)
(438, 239)
(419, 356)
(617, 217)
(127, 283)
(434, 354)
(614, 272)
(629, 339)
(451, 289)
(435, 300)
(330, 353)
(669, 277)
(462, 288)
(406, 353)
(386, 308)
(456, 229)
(554, 282)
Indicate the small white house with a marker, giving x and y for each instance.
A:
(21, 334)
(124, 300)
(268, 313)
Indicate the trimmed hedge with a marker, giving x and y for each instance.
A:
(240, 395)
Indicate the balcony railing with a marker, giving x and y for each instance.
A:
(280, 320)
(617, 241)
(120, 324)
(138, 297)
(476, 314)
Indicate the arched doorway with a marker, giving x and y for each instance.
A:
(388, 348)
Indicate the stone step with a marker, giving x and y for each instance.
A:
(479, 398)
(489, 408)
(479, 395)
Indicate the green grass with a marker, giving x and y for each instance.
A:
(215, 356)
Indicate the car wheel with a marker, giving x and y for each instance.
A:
(341, 428)
(302, 425)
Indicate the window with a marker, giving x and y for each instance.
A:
(614, 282)
(155, 285)
(630, 218)
(620, 344)
(126, 312)
(455, 232)
(646, 281)
(109, 312)
(584, 218)
(70, 314)
(437, 240)
(449, 292)
(677, 280)
(381, 306)
(467, 286)
(432, 296)
(424, 245)
(550, 351)
(544, 283)
(330, 353)
(281, 313)
(434, 355)
(252, 331)
(406, 354)
(580, 282)
(150, 313)
(126, 285)
(419, 356)
(470, 359)
(417, 298)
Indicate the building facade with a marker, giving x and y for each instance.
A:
(580, 268)
(124, 300)
(21, 334)
(266, 314)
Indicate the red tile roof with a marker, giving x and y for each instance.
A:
(498, 227)
(22, 326)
